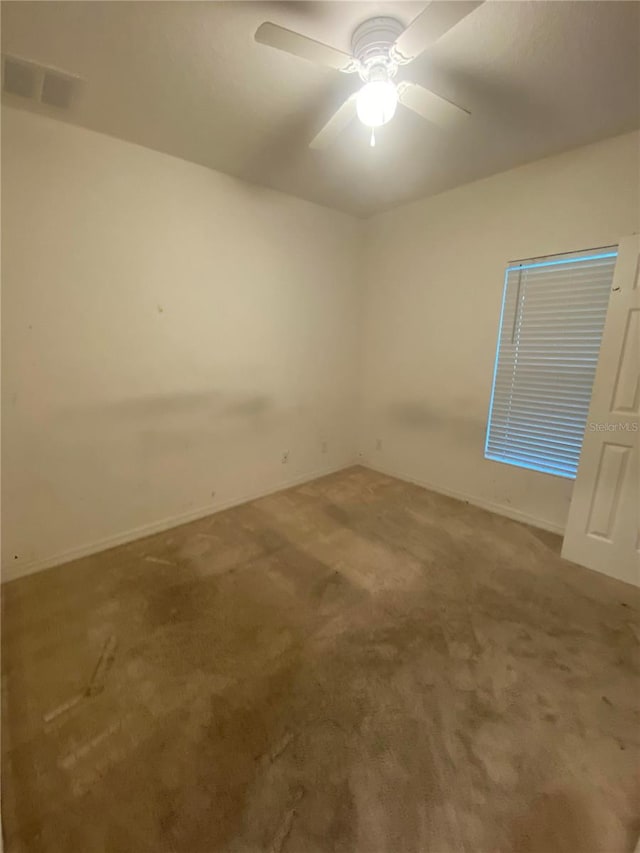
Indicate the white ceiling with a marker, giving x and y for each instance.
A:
(188, 79)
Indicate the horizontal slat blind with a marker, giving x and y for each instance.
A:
(553, 313)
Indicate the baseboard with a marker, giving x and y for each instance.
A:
(499, 509)
(11, 572)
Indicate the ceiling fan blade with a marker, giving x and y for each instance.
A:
(338, 122)
(306, 48)
(437, 19)
(429, 105)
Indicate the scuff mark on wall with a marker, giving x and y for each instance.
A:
(423, 415)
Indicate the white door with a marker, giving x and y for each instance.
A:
(603, 530)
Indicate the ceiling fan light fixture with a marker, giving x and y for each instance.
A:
(376, 103)
(378, 46)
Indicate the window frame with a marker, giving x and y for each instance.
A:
(556, 260)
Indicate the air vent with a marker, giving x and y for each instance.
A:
(38, 83)
(19, 79)
(57, 91)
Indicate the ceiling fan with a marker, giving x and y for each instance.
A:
(379, 46)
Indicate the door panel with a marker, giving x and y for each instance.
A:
(603, 529)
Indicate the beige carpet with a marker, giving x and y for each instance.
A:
(356, 665)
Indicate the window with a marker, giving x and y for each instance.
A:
(553, 313)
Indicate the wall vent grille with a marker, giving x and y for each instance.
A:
(38, 83)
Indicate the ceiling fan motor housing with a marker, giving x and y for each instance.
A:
(371, 44)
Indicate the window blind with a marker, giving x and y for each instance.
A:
(553, 314)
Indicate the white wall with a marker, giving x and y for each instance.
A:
(168, 333)
(434, 274)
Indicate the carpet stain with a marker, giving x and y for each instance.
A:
(354, 665)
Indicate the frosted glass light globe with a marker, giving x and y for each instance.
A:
(376, 103)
